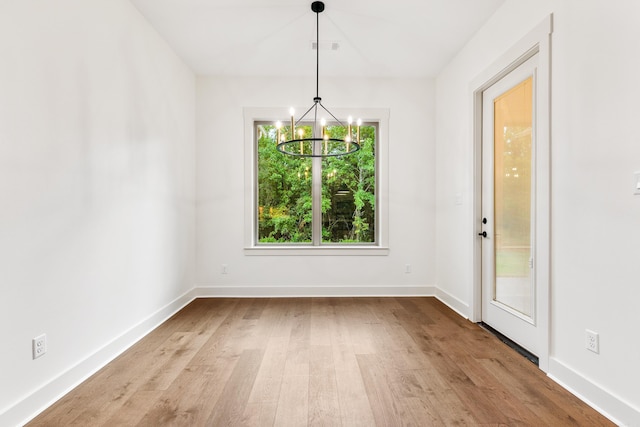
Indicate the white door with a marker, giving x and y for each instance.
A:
(509, 291)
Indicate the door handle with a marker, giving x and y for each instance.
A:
(483, 234)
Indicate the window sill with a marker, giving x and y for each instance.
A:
(316, 251)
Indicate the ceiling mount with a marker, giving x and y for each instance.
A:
(317, 6)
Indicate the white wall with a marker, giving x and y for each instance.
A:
(221, 184)
(595, 216)
(97, 152)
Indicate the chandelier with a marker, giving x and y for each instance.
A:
(312, 140)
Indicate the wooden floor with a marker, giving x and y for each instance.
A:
(319, 361)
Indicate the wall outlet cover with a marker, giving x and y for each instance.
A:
(39, 346)
(592, 341)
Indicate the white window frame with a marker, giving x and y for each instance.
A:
(380, 247)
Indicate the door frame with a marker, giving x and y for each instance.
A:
(537, 41)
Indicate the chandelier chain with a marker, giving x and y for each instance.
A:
(317, 54)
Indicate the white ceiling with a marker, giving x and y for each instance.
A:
(377, 38)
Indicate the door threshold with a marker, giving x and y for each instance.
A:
(517, 347)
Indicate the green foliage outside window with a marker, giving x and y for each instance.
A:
(285, 199)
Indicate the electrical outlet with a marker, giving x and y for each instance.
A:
(39, 345)
(407, 268)
(593, 342)
(225, 269)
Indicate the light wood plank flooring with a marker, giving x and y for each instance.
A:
(319, 361)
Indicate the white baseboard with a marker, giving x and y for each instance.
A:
(455, 304)
(312, 291)
(590, 392)
(29, 407)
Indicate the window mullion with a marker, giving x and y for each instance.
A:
(316, 194)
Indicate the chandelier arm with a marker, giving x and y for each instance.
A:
(315, 105)
(331, 114)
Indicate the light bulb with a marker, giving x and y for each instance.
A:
(278, 125)
(359, 122)
(323, 122)
(350, 120)
(292, 112)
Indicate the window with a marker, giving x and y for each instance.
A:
(333, 203)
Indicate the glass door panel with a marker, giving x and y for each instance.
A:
(512, 129)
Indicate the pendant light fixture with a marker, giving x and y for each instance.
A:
(324, 139)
